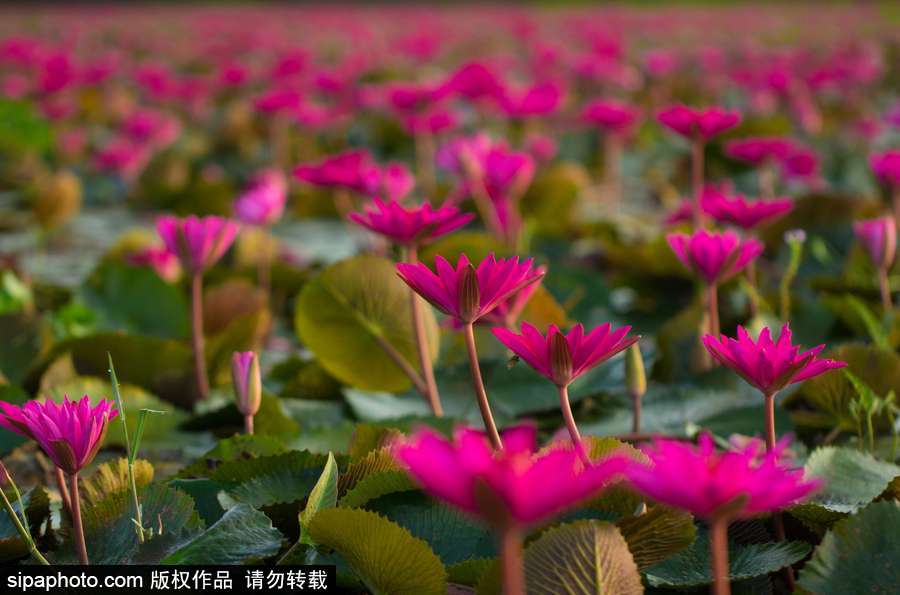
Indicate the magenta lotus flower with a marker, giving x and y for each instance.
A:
(886, 166)
(506, 486)
(703, 123)
(561, 357)
(879, 238)
(160, 259)
(397, 181)
(199, 242)
(759, 150)
(410, 225)
(70, 433)
(745, 483)
(745, 214)
(765, 364)
(467, 293)
(800, 163)
(509, 310)
(353, 170)
(263, 202)
(716, 257)
(613, 116)
(539, 100)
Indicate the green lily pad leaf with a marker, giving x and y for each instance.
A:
(852, 479)
(110, 534)
(373, 476)
(452, 536)
(860, 554)
(381, 553)
(657, 535)
(586, 556)
(37, 509)
(27, 336)
(241, 536)
(264, 481)
(205, 493)
(271, 420)
(112, 477)
(238, 447)
(469, 572)
(135, 300)
(23, 129)
(691, 568)
(343, 313)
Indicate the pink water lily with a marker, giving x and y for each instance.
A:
(563, 357)
(703, 123)
(199, 242)
(886, 165)
(502, 487)
(466, 292)
(263, 202)
(746, 482)
(759, 150)
(164, 262)
(70, 433)
(611, 115)
(743, 213)
(879, 238)
(716, 257)
(410, 225)
(766, 364)
(354, 170)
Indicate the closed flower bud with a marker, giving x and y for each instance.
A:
(247, 382)
(560, 359)
(635, 377)
(469, 295)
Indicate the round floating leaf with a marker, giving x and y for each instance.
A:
(344, 313)
(852, 480)
(691, 568)
(271, 480)
(240, 446)
(861, 554)
(112, 477)
(241, 536)
(582, 557)
(136, 300)
(658, 534)
(452, 536)
(384, 555)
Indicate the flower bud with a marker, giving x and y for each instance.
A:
(469, 295)
(247, 382)
(635, 378)
(560, 359)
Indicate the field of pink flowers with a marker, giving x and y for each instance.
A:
(467, 300)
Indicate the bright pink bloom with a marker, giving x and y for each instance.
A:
(745, 214)
(467, 293)
(542, 148)
(69, 433)
(397, 181)
(886, 166)
(353, 170)
(540, 100)
(151, 127)
(714, 256)
(879, 238)
(410, 225)
(765, 364)
(800, 162)
(759, 150)
(564, 357)
(509, 310)
(703, 123)
(199, 242)
(160, 259)
(705, 482)
(612, 116)
(515, 484)
(123, 156)
(263, 202)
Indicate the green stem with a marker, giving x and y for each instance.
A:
(478, 384)
(77, 527)
(24, 533)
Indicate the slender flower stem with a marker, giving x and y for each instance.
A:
(895, 199)
(697, 179)
(418, 320)
(24, 533)
(248, 424)
(63, 491)
(770, 422)
(718, 547)
(197, 335)
(478, 384)
(511, 561)
(712, 302)
(424, 147)
(885, 287)
(636, 413)
(570, 424)
(264, 264)
(76, 521)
